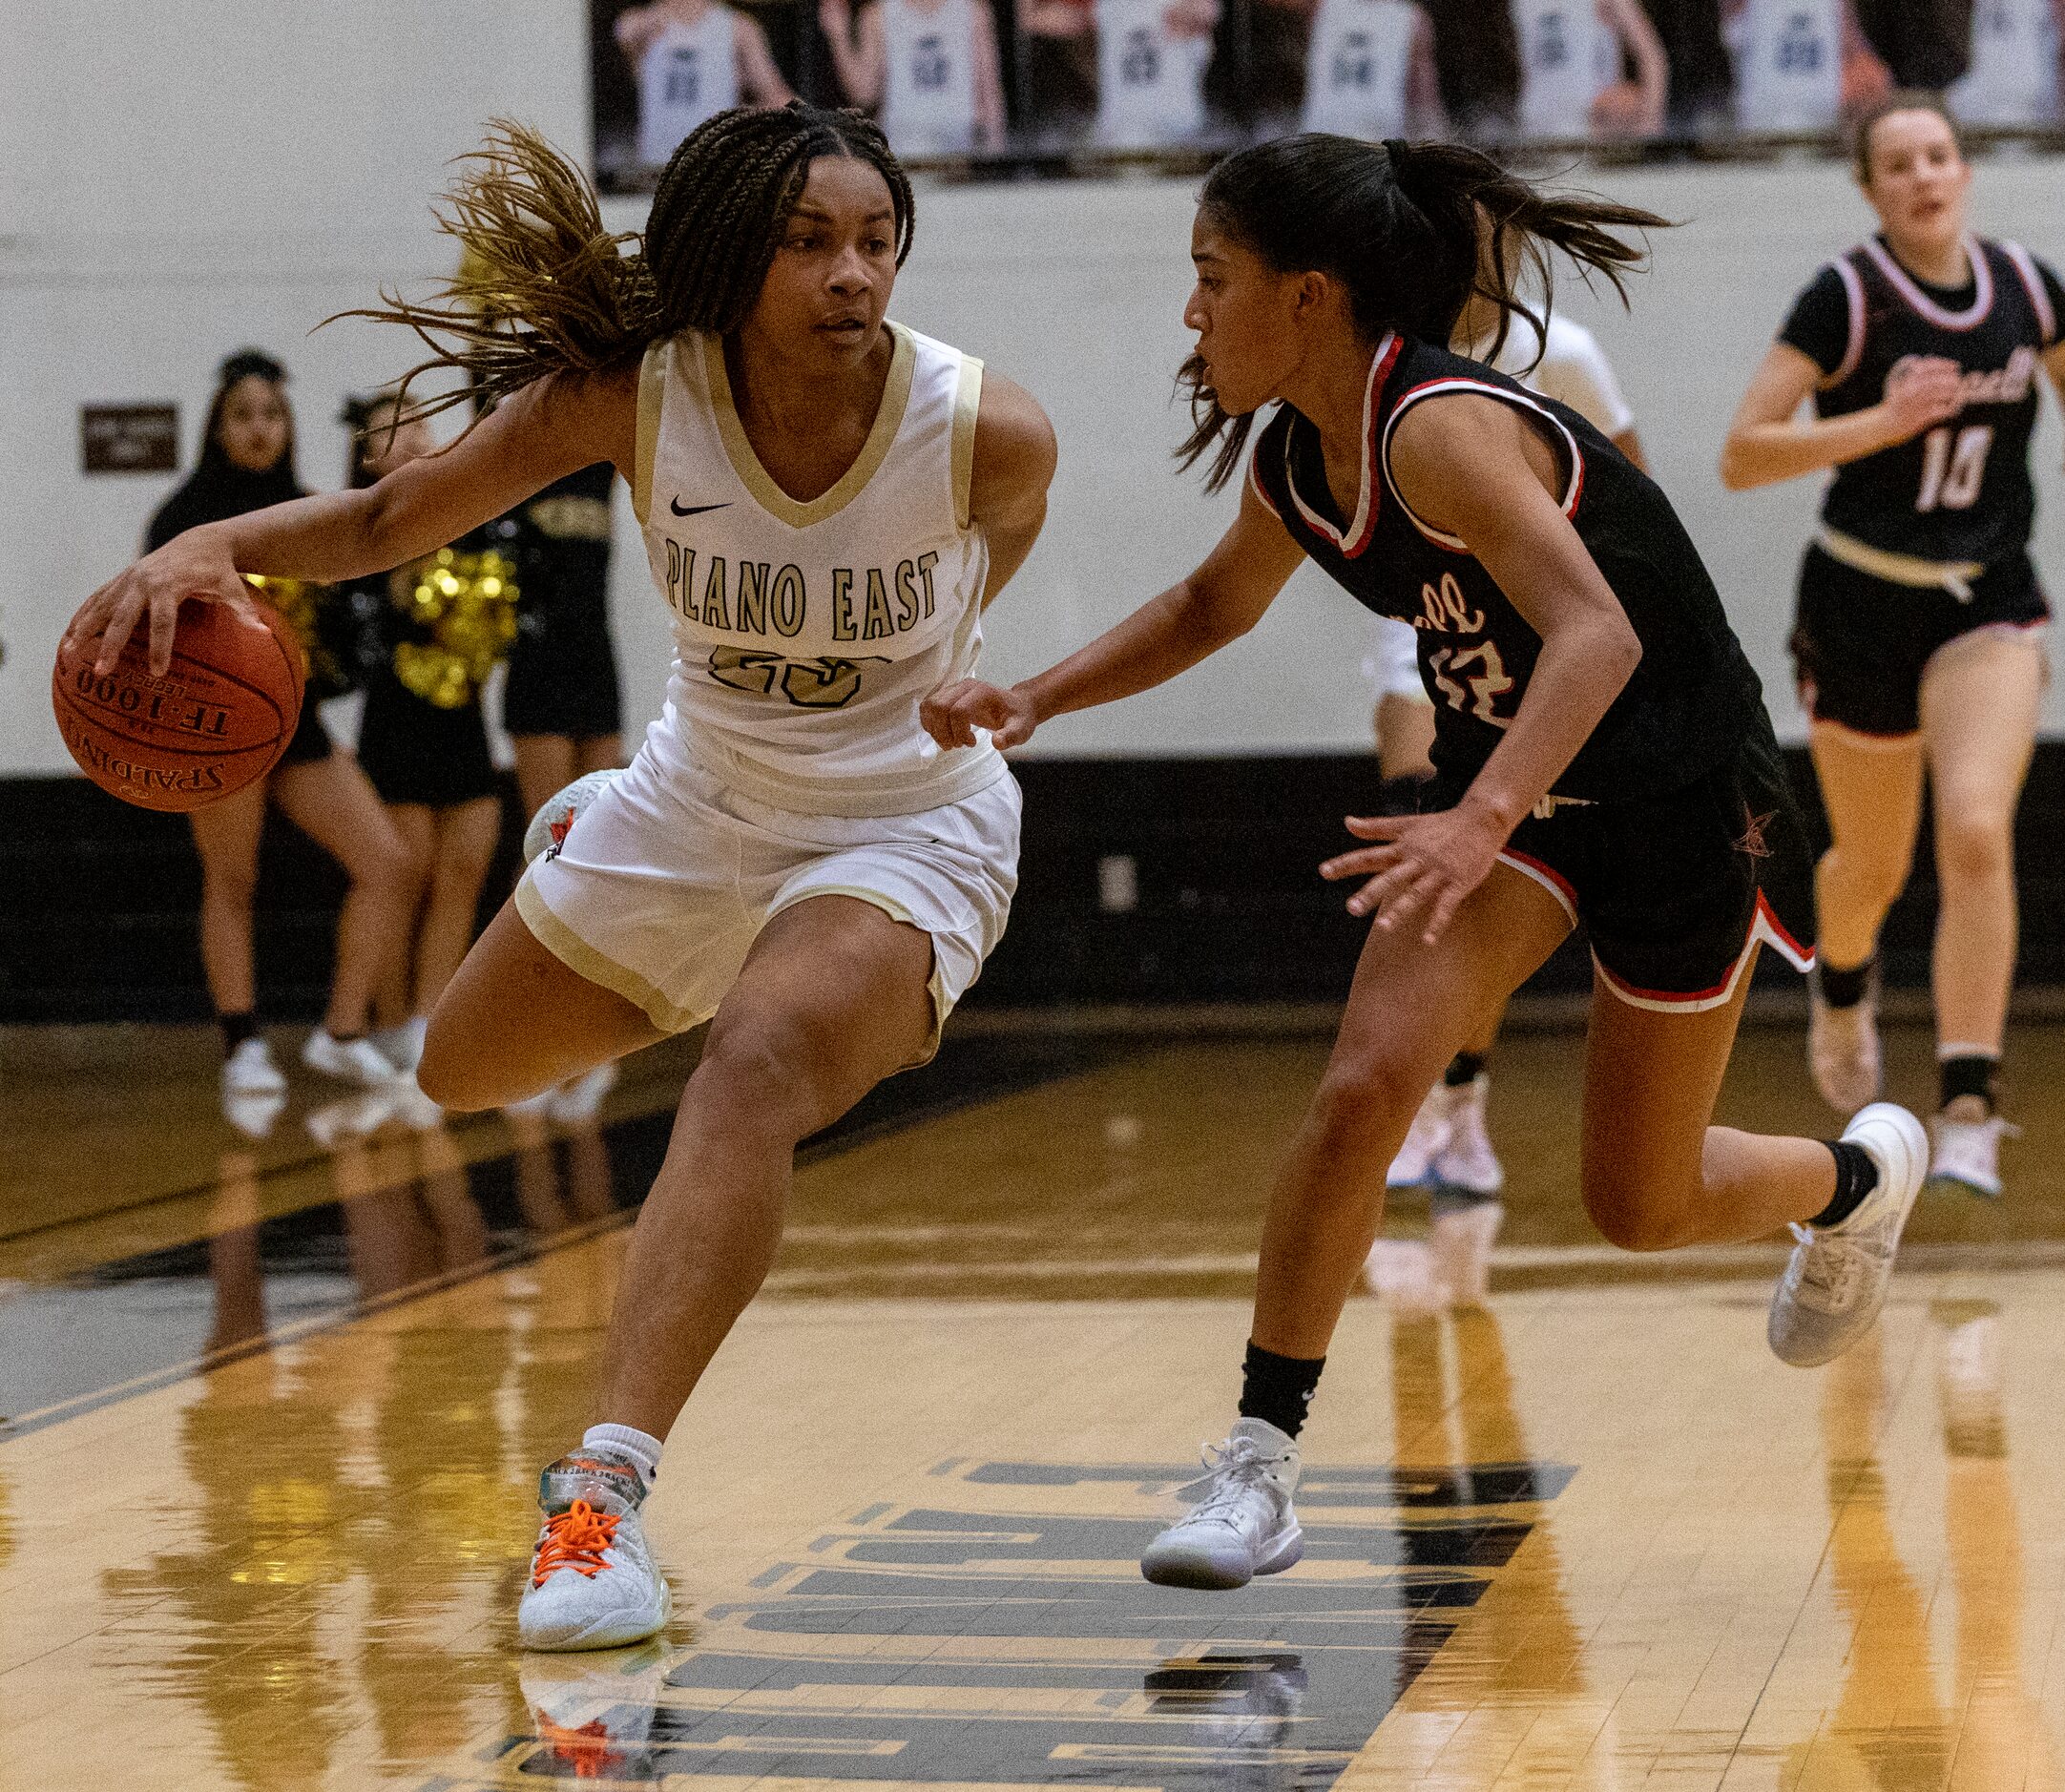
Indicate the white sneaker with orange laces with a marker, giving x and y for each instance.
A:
(593, 1584)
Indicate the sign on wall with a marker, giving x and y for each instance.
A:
(128, 438)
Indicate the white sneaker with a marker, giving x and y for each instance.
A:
(1836, 1283)
(1460, 1236)
(593, 1584)
(353, 1061)
(250, 1071)
(1242, 1524)
(1842, 1047)
(1466, 1161)
(1968, 1153)
(578, 1102)
(403, 1046)
(1424, 1142)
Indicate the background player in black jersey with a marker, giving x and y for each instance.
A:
(1601, 754)
(1919, 634)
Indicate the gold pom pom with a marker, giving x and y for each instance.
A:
(467, 604)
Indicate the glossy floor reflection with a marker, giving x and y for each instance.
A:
(1592, 1535)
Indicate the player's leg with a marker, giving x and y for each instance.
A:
(333, 803)
(834, 996)
(226, 837)
(1871, 788)
(1980, 696)
(545, 762)
(515, 1019)
(463, 843)
(1411, 1004)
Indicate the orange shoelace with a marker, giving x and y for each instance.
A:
(575, 1538)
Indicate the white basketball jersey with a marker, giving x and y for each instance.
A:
(1150, 81)
(1788, 64)
(929, 106)
(1568, 57)
(1358, 66)
(805, 633)
(2014, 76)
(688, 73)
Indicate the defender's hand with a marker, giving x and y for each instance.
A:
(1425, 865)
(194, 565)
(953, 713)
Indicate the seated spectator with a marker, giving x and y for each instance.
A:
(1703, 79)
(1573, 54)
(1151, 61)
(1060, 68)
(1257, 75)
(1370, 71)
(693, 58)
(2014, 76)
(1924, 44)
(1477, 56)
(929, 66)
(1800, 65)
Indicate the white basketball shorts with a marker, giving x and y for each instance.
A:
(665, 881)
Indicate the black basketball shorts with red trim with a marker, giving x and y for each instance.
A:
(1676, 890)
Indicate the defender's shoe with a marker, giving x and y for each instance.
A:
(1834, 1285)
(593, 1584)
(1242, 1523)
(353, 1060)
(1968, 1154)
(250, 1071)
(1466, 1161)
(1843, 1048)
(1424, 1142)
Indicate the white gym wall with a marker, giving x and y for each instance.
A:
(179, 183)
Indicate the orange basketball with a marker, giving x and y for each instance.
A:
(219, 718)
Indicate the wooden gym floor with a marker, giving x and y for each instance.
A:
(275, 1412)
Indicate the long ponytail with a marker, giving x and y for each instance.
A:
(1413, 232)
(545, 287)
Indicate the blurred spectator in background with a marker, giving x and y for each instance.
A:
(1477, 56)
(1800, 65)
(2012, 76)
(693, 58)
(1575, 56)
(1701, 76)
(1060, 39)
(928, 68)
(1151, 62)
(1924, 43)
(1370, 71)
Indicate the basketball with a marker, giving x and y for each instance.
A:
(548, 828)
(218, 720)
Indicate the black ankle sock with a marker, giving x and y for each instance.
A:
(1845, 989)
(1970, 1074)
(1278, 1389)
(1856, 1176)
(236, 1029)
(1464, 1069)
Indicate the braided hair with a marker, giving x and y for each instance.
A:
(1414, 231)
(544, 288)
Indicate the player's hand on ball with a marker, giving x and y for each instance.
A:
(1423, 866)
(1922, 391)
(953, 713)
(193, 565)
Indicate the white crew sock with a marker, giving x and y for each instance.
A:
(641, 1447)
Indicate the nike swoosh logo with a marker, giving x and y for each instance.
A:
(695, 510)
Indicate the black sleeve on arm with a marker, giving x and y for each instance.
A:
(1819, 324)
(2046, 273)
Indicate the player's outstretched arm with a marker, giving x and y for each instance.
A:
(542, 433)
(1769, 441)
(1217, 603)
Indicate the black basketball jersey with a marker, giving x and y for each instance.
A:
(1693, 699)
(1959, 491)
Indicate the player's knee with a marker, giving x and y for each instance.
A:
(229, 885)
(1639, 1205)
(758, 1069)
(1975, 849)
(1366, 1094)
(383, 865)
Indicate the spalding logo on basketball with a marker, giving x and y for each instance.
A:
(218, 720)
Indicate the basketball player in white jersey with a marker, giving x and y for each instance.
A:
(693, 59)
(829, 501)
(1151, 61)
(930, 66)
(1370, 70)
(1798, 63)
(1448, 1150)
(1571, 54)
(2014, 76)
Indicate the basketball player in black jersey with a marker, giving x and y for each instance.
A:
(1601, 755)
(1919, 634)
